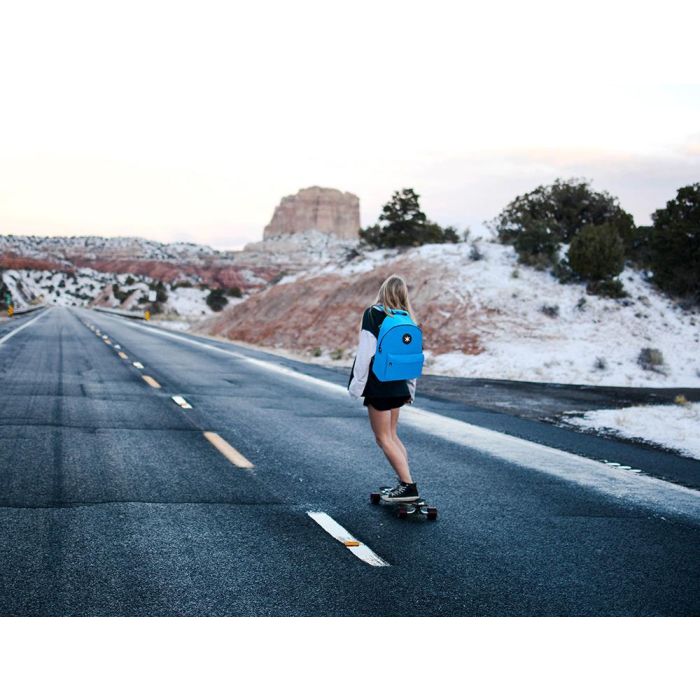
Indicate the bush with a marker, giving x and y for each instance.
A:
(597, 252)
(216, 299)
(234, 292)
(160, 290)
(538, 222)
(650, 359)
(551, 311)
(675, 245)
(475, 253)
(612, 289)
(600, 364)
(337, 354)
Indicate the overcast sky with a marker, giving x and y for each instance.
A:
(190, 120)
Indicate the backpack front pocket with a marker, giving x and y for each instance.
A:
(404, 366)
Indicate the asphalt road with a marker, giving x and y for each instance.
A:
(114, 502)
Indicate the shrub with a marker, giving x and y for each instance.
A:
(650, 359)
(316, 352)
(160, 290)
(538, 222)
(551, 311)
(475, 253)
(612, 289)
(234, 292)
(600, 364)
(675, 244)
(216, 299)
(597, 252)
(337, 354)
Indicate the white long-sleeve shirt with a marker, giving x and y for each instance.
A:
(362, 382)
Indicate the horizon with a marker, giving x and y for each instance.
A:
(183, 127)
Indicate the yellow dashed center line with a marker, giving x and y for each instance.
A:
(123, 355)
(231, 453)
(150, 381)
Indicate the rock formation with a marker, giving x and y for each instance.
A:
(321, 209)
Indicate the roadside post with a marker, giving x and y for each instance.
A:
(152, 296)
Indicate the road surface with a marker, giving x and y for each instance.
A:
(116, 499)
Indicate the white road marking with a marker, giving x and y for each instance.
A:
(181, 402)
(623, 485)
(150, 381)
(360, 550)
(138, 365)
(228, 451)
(5, 338)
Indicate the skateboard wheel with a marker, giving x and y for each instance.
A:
(374, 498)
(432, 513)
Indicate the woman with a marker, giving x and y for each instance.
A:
(384, 399)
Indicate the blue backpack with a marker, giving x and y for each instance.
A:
(399, 352)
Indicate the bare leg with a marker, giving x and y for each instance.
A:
(381, 426)
(394, 434)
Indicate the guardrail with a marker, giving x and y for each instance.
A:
(28, 310)
(117, 312)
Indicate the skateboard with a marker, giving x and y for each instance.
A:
(406, 508)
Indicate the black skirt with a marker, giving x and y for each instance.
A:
(386, 403)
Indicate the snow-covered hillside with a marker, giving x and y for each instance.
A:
(484, 315)
(64, 248)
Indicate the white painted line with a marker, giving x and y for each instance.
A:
(228, 451)
(5, 338)
(360, 550)
(626, 486)
(138, 365)
(180, 401)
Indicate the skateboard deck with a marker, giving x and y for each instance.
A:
(404, 508)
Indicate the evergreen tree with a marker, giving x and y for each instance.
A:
(402, 223)
(675, 244)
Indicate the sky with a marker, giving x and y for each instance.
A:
(190, 120)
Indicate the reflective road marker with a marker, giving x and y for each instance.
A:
(138, 365)
(150, 381)
(361, 551)
(231, 453)
(123, 355)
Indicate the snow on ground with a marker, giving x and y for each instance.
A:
(188, 301)
(534, 328)
(54, 287)
(583, 339)
(676, 427)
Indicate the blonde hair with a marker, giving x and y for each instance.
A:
(393, 294)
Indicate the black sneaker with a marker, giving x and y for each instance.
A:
(402, 493)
